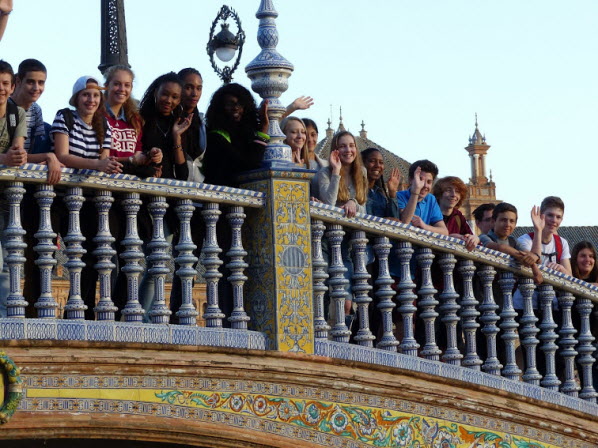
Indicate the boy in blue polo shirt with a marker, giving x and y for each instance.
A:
(418, 207)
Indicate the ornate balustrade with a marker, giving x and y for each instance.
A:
(222, 211)
(444, 311)
(450, 305)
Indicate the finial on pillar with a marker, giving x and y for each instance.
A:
(476, 120)
(269, 73)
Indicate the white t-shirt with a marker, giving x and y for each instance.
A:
(524, 242)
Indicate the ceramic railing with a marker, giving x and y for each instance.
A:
(446, 309)
(443, 312)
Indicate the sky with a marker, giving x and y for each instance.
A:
(415, 71)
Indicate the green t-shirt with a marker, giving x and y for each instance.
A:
(20, 131)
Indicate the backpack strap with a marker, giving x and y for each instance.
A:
(458, 221)
(69, 118)
(558, 244)
(223, 133)
(12, 118)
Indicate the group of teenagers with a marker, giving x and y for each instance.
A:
(105, 129)
(354, 182)
(165, 135)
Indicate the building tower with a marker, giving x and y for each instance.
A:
(481, 188)
(114, 35)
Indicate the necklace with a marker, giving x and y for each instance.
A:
(164, 134)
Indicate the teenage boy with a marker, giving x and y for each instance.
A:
(418, 207)
(13, 130)
(30, 84)
(554, 251)
(483, 218)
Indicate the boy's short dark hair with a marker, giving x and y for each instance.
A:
(30, 65)
(552, 202)
(426, 165)
(478, 213)
(5, 67)
(502, 208)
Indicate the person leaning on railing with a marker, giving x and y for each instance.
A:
(165, 123)
(82, 140)
(126, 125)
(382, 201)
(343, 184)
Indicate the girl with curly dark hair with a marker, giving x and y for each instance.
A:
(236, 135)
(165, 123)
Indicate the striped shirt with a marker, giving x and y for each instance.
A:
(82, 138)
(35, 124)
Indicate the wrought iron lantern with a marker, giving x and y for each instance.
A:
(225, 44)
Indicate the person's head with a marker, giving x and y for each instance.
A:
(7, 81)
(119, 86)
(89, 102)
(450, 192)
(553, 209)
(505, 219)
(162, 97)
(374, 164)
(429, 171)
(312, 134)
(30, 80)
(87, 97)
(483, 217)
(296, 135)
(583, 261)
(192, 88)
(344, 142)
(232, 106)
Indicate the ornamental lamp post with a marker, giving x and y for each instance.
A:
(225, 44)
(269, 73)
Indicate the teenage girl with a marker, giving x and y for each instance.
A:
(315, 161)
(296, 136)
(82, 140)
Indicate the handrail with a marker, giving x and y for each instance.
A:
(34, 173)
(424, 238)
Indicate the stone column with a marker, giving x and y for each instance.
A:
(279, 289)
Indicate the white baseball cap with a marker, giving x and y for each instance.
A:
(84, 82)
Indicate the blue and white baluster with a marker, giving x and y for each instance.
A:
(104, 252)
(74, 308)
(338, 283)
(187, 314)
(159, 314)
(320, 275)
(428, 304)
(509, 326)
(239, 318)
(469, 313)
(407, 299)
(132, 256)
(586, 349)
(361, 288)
(567, 342)
(15, 247)
(46, 304)
(449, 308)
(385, 294)
(489, 318)
(548, 336)
(528, 331)
(212, 262)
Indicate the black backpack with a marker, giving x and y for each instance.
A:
(12, 118)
